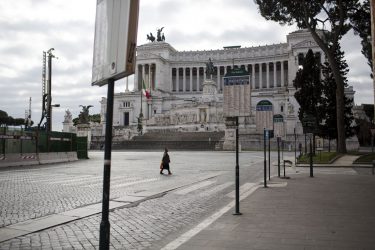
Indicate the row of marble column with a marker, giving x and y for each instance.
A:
(146, 74)
(257, 83)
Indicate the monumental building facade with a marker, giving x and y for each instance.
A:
(182, 97)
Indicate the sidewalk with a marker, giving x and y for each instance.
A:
(329, 211)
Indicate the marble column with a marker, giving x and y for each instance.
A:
(261, 76)
(136, 75)
(177, 79)
(171, 77)
(143, 75)
(191, 79)
(198, 84)
(274, 75)
(184, 79)
(253, 75)
(218, 78)
(127, 84)
(282, 74)
(150, 76)
(268, 74)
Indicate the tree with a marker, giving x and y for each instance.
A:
(309, 88)
(3, 117)
(19, 122)
(361, 23)
(329, 96)
(369, 111)
(92, 118)
(314, 16)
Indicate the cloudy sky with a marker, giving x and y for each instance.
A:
(29, 27)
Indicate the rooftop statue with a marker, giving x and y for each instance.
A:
(83, 117)
(151, 37)
(159, 36)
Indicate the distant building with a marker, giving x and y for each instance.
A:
(182, 101)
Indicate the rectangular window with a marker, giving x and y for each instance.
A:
(126, 119)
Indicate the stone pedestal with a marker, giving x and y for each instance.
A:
(84, 130)
(68, 127)
(209, 93)
(230, 140)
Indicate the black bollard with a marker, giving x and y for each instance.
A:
(311, 158)
(265, 157)
(278, 156)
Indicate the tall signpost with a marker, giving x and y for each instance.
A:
(372, 6)
(237, 103)
(309, 126)
(116, 26)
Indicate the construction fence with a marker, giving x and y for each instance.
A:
(20, 141)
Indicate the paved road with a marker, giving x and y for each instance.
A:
(173, 204)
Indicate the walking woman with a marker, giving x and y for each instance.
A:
(165, 162)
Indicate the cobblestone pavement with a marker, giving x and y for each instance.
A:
(34, 192)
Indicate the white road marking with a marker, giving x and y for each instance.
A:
(194, 187)
(135, 182)
(188, 235)
(216, 189)
(244, 188)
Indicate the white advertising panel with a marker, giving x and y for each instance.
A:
(116, 26)
(237, 94)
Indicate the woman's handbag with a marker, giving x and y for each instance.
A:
(161, 165)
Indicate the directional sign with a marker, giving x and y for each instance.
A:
(237, 92)
(115, 40)
(308, 123)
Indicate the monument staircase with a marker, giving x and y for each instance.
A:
(173, 140)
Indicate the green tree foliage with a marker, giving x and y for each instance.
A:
(363, 131)
(3, 117)
(92, 118)
(6, 120)
(361, 22)
(369, 111)
(329, 126)
(327, 21)
(309, 88)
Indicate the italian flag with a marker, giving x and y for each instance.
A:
(145, 91)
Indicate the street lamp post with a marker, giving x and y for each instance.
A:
(49, 91)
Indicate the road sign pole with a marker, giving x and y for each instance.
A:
(265, 156)
(278, 156)
(269, 157)
(295, 147)
(104, 224)
(311, 158)
(237, 212)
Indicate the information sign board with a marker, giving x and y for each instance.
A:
(116, 26)
(237, 93)
(319, 143)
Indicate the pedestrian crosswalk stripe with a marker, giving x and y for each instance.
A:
(194, 187)
(216, 189)
(135, 182)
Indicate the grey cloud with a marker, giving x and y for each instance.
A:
(43, 26)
